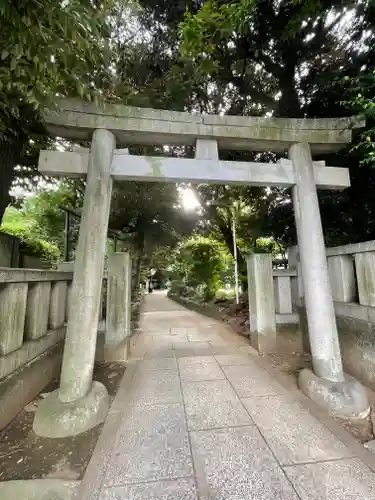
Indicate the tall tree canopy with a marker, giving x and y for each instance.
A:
(288, 58)
(47, 48)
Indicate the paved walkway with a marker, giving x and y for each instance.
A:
(198, 417)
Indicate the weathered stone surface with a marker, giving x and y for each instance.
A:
(159, 364)
(23, 386)
(80, 344)
(261, 302)
(233, 359)
(287, 319)
(144, 450)
(13, 297)
(237, 463)
(296, 282)
(365, 270)
(321, 319)
(117, 353)
(283, 294)
(359, 356)
(25, 275)
(152, 444)
(179, 489)
(39, 489)
(207, 170)
(28, 351)
(342, 278)
(346, 399)
(251, 380)
(118, 320)
(57, 307)
(341, 480)
(68, 300)
(155, 387)
(67, 266)
(37, 309)
(77, 120)
(351, 249)
(199, 368)
(56, 419)
(370, 445)
(293, 434)
(352, 310)
(213, 404)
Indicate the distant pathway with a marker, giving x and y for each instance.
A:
(198, 417)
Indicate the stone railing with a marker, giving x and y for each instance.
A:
(352, 277)
(352, 273)
(33, 312)
(282, 285)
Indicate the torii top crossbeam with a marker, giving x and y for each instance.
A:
(76, 120)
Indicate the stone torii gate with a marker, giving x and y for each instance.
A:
(80, 403)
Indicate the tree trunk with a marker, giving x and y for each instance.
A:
(228, 238)
(9, 153)
(289, 105)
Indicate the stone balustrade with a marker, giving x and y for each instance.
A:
(352, 276)
(270, 301)
(33, 312)
(282, 286)
(351, 271)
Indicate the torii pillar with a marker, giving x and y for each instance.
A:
(328, 385)
(80, 404)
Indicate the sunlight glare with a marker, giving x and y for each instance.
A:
(189, 199)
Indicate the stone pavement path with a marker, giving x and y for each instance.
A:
(197, 417)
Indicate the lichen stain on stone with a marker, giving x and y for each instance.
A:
(156, 165)
(368, 282)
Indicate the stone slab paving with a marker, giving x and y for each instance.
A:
(211, 423)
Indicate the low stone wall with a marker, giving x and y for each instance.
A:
(356, 325)
(356, 328)
(33, 313)
(352, 278)
(26, 383)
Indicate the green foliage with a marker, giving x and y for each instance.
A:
(47, 48)
(200, 262)
(16, 224)
(183, 290)
(214, 21)
(40, 222)
(223, 294)
(45, 210)
(149, 216)
(360, 91)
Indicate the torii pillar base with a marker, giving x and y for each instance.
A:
(347, 399)
(56, 419)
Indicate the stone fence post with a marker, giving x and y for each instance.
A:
(118, 319)
(262, 317)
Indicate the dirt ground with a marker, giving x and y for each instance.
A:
(23, 455)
